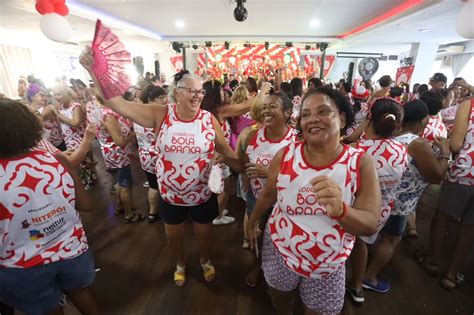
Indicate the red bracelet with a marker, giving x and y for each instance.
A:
(343, 214)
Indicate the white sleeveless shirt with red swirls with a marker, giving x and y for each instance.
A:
(261, 151)
(114, 155)
(72, 135)
(462, 170)
(391, 160)
(311, 243)
(185, 150)
(38, 221)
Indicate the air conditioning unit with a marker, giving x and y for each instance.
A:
(450, 49)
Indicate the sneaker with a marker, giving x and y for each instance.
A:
(356, 294)
(146, 184)
(223, 220)
(246, 244)
(380, 286)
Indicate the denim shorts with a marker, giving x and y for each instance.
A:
(123, 176)
(251, 201)
(38, 290)
(395, 225)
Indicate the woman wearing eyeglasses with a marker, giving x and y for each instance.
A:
(187, 138)
(325, 193)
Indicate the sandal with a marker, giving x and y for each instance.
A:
(412, 234)
(448, 283)
(209, 272)
(119, 211)
(180, 276)
(246, 244)
(136, 217)
(423, 260)
(153, 217)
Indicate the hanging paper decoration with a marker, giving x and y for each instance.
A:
(328, 64)
(253, 60)
(404, 74)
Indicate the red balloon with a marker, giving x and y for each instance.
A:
(44, 7)
(55, 2)
(61, 9)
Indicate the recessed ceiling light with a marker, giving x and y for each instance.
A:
(314, 23)
(179, 24)
(423, 30)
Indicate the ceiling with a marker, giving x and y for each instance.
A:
(345, 23)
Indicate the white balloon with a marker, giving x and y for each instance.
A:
(465, 22)
(55, 27)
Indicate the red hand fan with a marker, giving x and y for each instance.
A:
(110, 62)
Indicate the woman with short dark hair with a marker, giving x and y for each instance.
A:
(44, 250)
(320, 205)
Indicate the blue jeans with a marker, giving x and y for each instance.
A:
(38, 290)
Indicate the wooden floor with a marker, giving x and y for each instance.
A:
(136, 268)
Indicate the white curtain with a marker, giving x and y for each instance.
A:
(14, 62)
(458, 62)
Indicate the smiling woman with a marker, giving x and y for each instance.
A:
(324, 176)
(187, 138)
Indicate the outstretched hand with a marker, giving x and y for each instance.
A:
(86, 59)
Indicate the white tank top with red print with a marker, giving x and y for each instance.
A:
(146, 138)
(261, 151)
(185, 150)
(462, 170)
(434, 128)
(38, 221)
(448, 115)
(114, 155)
(52, 129)
(391, 160)
(311, 243)
(72, 135)
(225, 126)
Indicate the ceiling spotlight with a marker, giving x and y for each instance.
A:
(195, 46)
(208, 44)
(227, 45)
(267, 45)
(322, 46)
(247, 45)
(307, 47)
(240, 12)
(179, 24)
(423, 30)
(314, 23)
(177, 46)
(289, 44)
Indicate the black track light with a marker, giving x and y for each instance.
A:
(267, 45)
(195, 46)
(208, 44)
(177, 46)
(240, 12)
(307, 47)
(289, 44)
(227, 45)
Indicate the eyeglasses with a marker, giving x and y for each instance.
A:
(194, 92)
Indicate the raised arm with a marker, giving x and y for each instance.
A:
(222, 147)
(233, 110)
(461, 122)
(146, 115)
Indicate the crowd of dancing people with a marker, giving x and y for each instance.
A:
(329, 173)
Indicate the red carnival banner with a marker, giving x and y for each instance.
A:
(177, 62)
(404, 74)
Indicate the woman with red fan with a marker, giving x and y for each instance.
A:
(187, 138)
